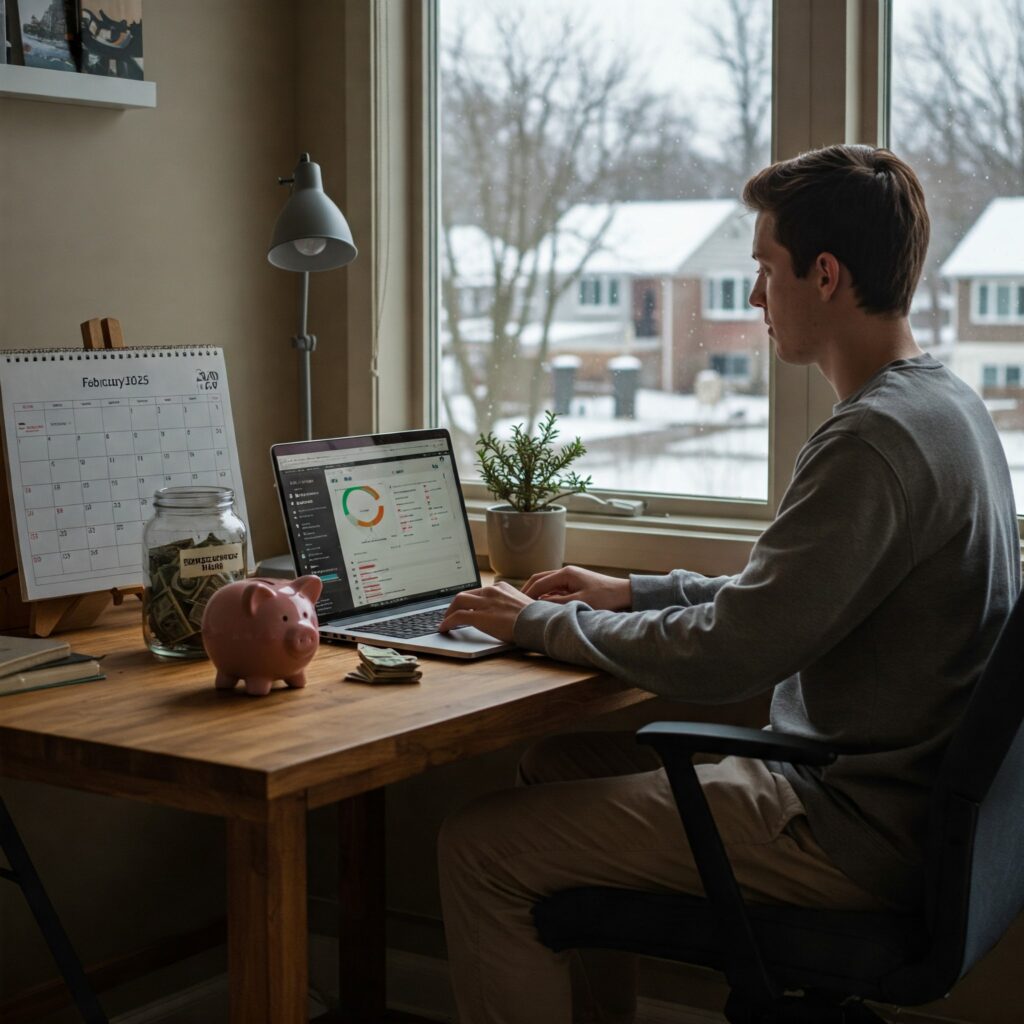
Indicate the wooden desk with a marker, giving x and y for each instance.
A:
(161, 733)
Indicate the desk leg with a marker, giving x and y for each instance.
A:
(268, 968)
(362, 942)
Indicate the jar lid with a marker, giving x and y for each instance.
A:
(198, 497)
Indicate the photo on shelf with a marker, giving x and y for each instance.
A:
(111, 38)
(46, 34)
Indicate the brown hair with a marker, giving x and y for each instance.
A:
(863, 205)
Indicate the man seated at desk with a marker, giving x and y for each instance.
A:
(868, 608)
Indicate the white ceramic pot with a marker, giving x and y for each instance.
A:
(522, 543)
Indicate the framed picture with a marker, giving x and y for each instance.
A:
(111, 38)
(46, 34)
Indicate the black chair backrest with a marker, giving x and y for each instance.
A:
(976, 845)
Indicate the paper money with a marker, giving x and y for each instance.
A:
(174, 606)
(384, 656)
(385, 665)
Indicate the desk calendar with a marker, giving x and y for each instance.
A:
(89, 436)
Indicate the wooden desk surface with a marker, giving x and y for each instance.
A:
(161, 732)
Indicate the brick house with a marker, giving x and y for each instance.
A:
(667, 284)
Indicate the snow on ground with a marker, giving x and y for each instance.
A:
(674, 445)
(677, 445)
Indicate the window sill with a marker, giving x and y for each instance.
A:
(710, 545)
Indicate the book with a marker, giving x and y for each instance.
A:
(46, 35)
(111, 38)
(19, 653)
(76, 668)
(15, 51)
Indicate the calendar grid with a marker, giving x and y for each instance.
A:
(83, 470)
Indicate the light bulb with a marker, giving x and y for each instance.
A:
(310, 246)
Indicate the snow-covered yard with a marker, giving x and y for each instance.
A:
(678, 445)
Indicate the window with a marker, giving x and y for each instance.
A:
(954, 72)
(734, 366)
(997, 302)
(726, 298)
(600, 163)
(590, 291)
(1000, 378)
(709, 137)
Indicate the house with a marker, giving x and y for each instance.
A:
(986, 271)
(666, 282)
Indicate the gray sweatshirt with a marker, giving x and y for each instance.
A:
(869, 606)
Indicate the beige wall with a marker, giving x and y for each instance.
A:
(160, 218)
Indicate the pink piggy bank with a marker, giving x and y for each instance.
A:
(260, 630)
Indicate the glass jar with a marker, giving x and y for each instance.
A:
(193, 546)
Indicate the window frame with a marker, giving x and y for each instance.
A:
(835, 44)
(742, 282)
(989, 286)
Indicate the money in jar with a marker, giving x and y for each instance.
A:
(193, 545)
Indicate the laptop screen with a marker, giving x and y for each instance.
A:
(380, 519)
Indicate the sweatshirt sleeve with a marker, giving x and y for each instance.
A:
(679, 587)
(838, 546)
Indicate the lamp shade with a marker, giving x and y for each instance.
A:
(311, 233)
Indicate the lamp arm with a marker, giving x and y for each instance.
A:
(305, 343)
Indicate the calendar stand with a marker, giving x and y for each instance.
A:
(53, 614)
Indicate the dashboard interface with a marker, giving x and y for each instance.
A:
(379, 519)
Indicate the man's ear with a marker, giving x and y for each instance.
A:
(826, 275)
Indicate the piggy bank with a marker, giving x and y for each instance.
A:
(260, 630)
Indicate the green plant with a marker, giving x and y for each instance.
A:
(527, 472)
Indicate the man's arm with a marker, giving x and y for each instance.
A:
(679, 588)
(838, 546)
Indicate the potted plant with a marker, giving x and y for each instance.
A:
(526, 529)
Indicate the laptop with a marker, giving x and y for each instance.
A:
(381, 520)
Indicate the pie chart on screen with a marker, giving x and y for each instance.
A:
(362, 506)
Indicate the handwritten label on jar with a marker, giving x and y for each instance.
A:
(208, 561)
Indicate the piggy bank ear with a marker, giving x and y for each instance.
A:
(309, 587)
(255, 595)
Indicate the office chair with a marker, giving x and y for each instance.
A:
(23, 873)
(788, 964)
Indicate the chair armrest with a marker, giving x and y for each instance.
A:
(706, 738)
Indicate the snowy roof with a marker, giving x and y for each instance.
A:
(994, 244)
(641, 238)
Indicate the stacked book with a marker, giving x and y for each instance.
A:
(31, 663)
(384, 665)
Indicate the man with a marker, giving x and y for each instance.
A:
(868, 608)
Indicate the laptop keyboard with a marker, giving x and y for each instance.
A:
(405, 627)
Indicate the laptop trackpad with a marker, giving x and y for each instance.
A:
(466, 636)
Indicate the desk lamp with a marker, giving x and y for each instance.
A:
(310, 234)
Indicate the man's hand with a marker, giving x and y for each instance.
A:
(575, 584)
(492, 609)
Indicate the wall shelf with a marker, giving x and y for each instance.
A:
(71, 87)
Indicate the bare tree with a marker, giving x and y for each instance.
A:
(532, 127)
(739, 39)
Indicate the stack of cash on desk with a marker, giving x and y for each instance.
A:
(384, 665)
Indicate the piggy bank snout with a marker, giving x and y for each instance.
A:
(301, 639)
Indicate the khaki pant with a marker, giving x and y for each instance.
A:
(596, 809)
